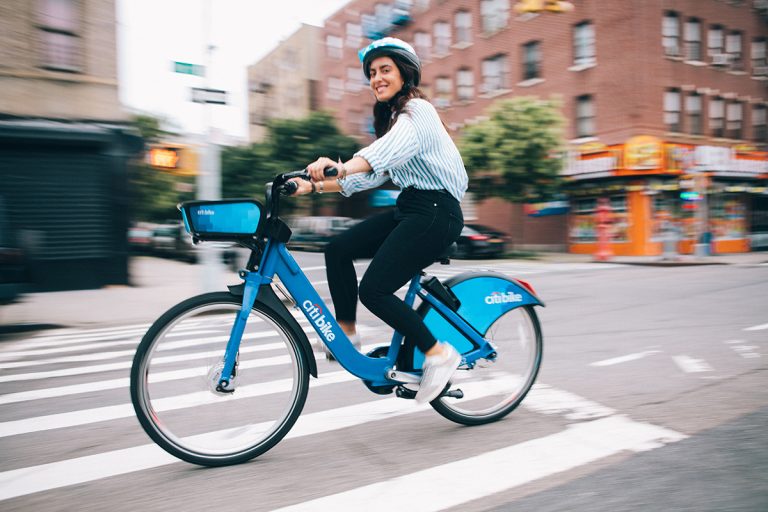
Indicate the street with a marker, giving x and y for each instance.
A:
(651, 396)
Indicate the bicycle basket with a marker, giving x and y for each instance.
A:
(228, 219)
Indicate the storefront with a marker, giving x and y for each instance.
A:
(661, 193)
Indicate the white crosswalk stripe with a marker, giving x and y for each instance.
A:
(593, 432)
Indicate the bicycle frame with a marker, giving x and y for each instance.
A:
(277, 261)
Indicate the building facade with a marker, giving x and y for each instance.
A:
(64, 143)
(283, 84)
(665, 102)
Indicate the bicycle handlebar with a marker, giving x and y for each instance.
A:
(282, 186)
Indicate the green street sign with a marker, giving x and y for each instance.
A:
(185, 68)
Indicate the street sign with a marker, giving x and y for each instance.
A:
(203, 95)
(185, 68)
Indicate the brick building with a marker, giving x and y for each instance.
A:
(64, 143)
(654, 91)
(282, 85)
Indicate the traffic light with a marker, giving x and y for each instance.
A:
(177, 159)
(537, 6)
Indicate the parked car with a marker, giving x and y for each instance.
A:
(13, 263)
(313, 233)
(478, 241)
(140, 237)
(172, 240)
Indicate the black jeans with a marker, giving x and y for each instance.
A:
(401, 242)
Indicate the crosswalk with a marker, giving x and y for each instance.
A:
(65, 383)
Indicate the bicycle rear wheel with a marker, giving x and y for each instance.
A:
(176, 369)
(493, 389)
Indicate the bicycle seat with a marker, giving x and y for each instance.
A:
(445, 256)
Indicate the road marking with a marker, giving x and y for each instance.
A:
(542, 398)
(446, 486)
(757, 327)
(691, 365)
(745, 351)
(625, 359)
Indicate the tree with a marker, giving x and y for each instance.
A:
(517, 152)
(290, 145)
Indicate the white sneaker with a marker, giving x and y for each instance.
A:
(355, 339)
(438, 370)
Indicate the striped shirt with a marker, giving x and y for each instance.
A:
(416, 152)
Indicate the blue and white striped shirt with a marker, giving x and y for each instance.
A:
(416, 152)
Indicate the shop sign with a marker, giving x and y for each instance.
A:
(643, 152)
(546, 208)
(590, 160)
(725, 160)
(679, 158)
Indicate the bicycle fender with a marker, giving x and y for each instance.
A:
(267, 298)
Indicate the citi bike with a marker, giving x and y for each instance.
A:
(222, 377)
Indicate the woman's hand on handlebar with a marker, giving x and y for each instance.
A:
(317, 168)
(303, 187)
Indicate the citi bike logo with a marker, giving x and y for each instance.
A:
(205, 211)
(317, 317)
(503, 298)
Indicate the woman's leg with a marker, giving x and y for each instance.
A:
(360, 241)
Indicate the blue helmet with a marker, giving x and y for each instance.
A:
(393, 47)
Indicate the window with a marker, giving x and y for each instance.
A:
(715, 42)
(758, 54)
(495, 74)
(335, 88)
(61, 45)
(355, 79)
(693, 40)
(585, 116)
(465, 85)
(670, 33)
(693, 112)
(333, 46)
(463, 23)
(733, 126)
(383, 14)
(531, 60)
(354, 35)
(443, 91)
(495, 14)
(734, 51)
(583, 44)
(672, 110)
(759, 130)
(717, 117)
(422, 43)
(442, 38)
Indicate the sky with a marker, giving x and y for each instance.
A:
(153, 34)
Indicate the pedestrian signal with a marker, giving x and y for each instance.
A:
(177, 159)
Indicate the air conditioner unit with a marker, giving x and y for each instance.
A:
(720, 59)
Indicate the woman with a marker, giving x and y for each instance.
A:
(414, 150)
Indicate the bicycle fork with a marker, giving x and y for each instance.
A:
(229, 370)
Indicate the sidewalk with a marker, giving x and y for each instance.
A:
(158, 284)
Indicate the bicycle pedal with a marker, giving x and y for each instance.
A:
(403, 392)
(453, 393)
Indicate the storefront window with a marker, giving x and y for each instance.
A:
(584, 220)
(663, 217)
(727, 217)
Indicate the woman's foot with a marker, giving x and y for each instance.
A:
(438, 370)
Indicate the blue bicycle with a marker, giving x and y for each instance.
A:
(222, 377)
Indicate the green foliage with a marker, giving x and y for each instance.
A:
(290, 145)
(517, 152)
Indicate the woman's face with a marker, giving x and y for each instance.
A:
(386, 80)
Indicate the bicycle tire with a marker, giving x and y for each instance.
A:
(486, 381)
(178, 407)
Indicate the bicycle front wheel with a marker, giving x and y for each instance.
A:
(493, 389)
(177, 367)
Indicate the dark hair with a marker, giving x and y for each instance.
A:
(385, 113)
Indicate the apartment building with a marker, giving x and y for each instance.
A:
(665, 101)
(283, 84)
(64, 144)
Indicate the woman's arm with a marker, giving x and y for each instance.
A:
(355, 165)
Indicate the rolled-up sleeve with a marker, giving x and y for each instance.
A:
(362, 181)
(394, 149)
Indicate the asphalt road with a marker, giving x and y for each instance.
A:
(651, 397)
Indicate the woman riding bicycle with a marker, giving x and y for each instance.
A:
(415, 152)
